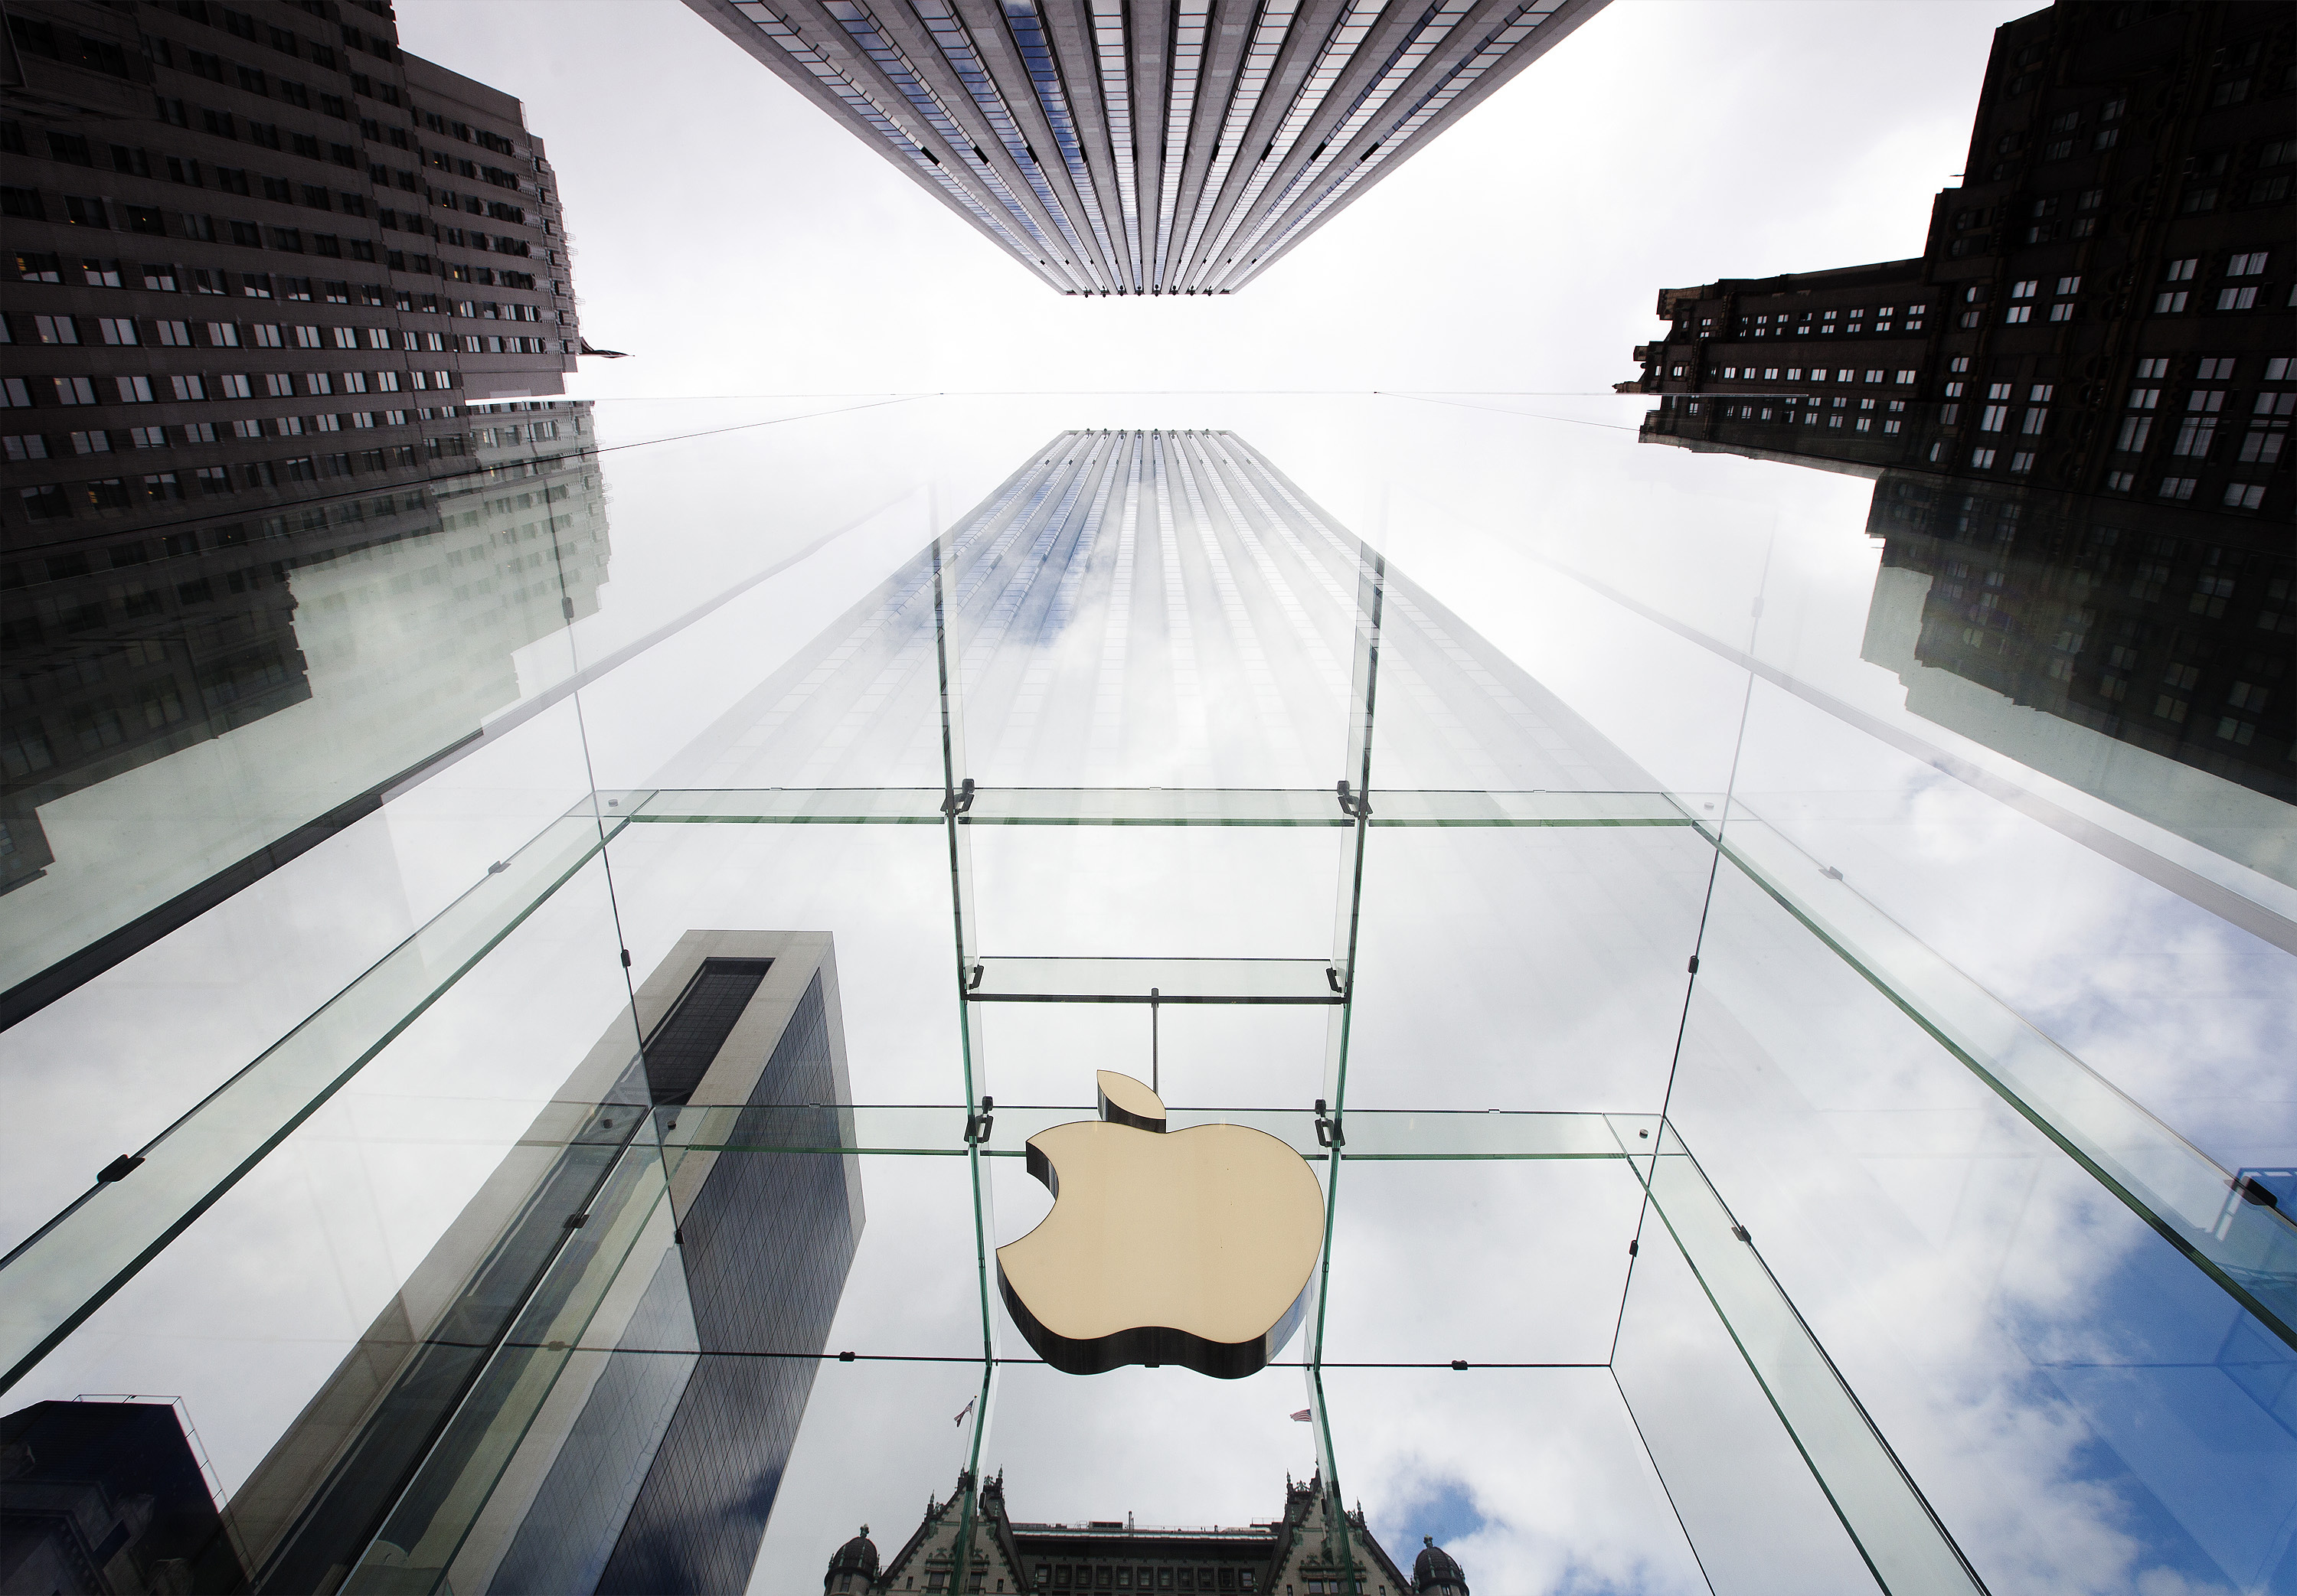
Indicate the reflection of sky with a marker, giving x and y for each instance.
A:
(2023, 1342)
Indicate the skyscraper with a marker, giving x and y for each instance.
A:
(2075, 403)
(254, 252)
(2105, 303)
(1117, 148)
(257, 257)
(565, 1396)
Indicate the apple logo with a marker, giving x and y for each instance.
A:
(1195, 1247)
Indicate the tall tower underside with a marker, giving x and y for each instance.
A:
(1114, 149)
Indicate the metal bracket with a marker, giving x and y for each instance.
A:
(1356, 806)
(1328, 1127)
(956, 803)
(977, 1125)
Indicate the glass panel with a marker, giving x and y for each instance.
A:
(70, 1265)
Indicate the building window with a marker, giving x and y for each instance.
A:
(2178, 487)
(2021, 462)
(2237, 298)
(1981, 459)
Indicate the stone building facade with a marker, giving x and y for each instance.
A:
(1293, 1555)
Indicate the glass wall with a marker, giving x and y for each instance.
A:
(1762, 1137)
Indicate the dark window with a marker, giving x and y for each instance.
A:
(253, 81)
(69, 146)
(682, 1047)
(37, 37)
(22, 201)
(204, 64)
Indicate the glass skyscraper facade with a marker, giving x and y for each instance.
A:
(1117, 149)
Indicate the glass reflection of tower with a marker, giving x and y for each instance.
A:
(2075, 405)
(258, 679)
(566, 1395)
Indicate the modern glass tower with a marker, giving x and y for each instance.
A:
(1119, 148)
(562, 1398)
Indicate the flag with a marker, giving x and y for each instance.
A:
(1303, 1415)
(966, 1409)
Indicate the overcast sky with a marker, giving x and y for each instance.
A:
(734, 239)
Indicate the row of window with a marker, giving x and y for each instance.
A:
(1060, 1576)
(2177, 489)
(90, 211)
(241, 25)
(1823, 322)
(57, 501)
(1789, 412)
(1794, 373)
(161, 277)
(164, 277)
(164, 53)
(128, 330)
(136, 161)
(17, 394)
(39, 446)
(230, 125)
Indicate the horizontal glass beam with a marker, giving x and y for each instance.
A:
(2249, 1248)
(69, 1268)
(932, 1129)
(1143, 806)
(1031, 980)
(1905, 1546)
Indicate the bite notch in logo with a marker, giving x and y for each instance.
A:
(1194, 1247)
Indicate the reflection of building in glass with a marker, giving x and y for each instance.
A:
(105, 1496)
(2076, 401)
(2104, 304)
(391, 611)
(593, 1381)
(1295, 1552)
(2157, 627)
(1117, 148)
